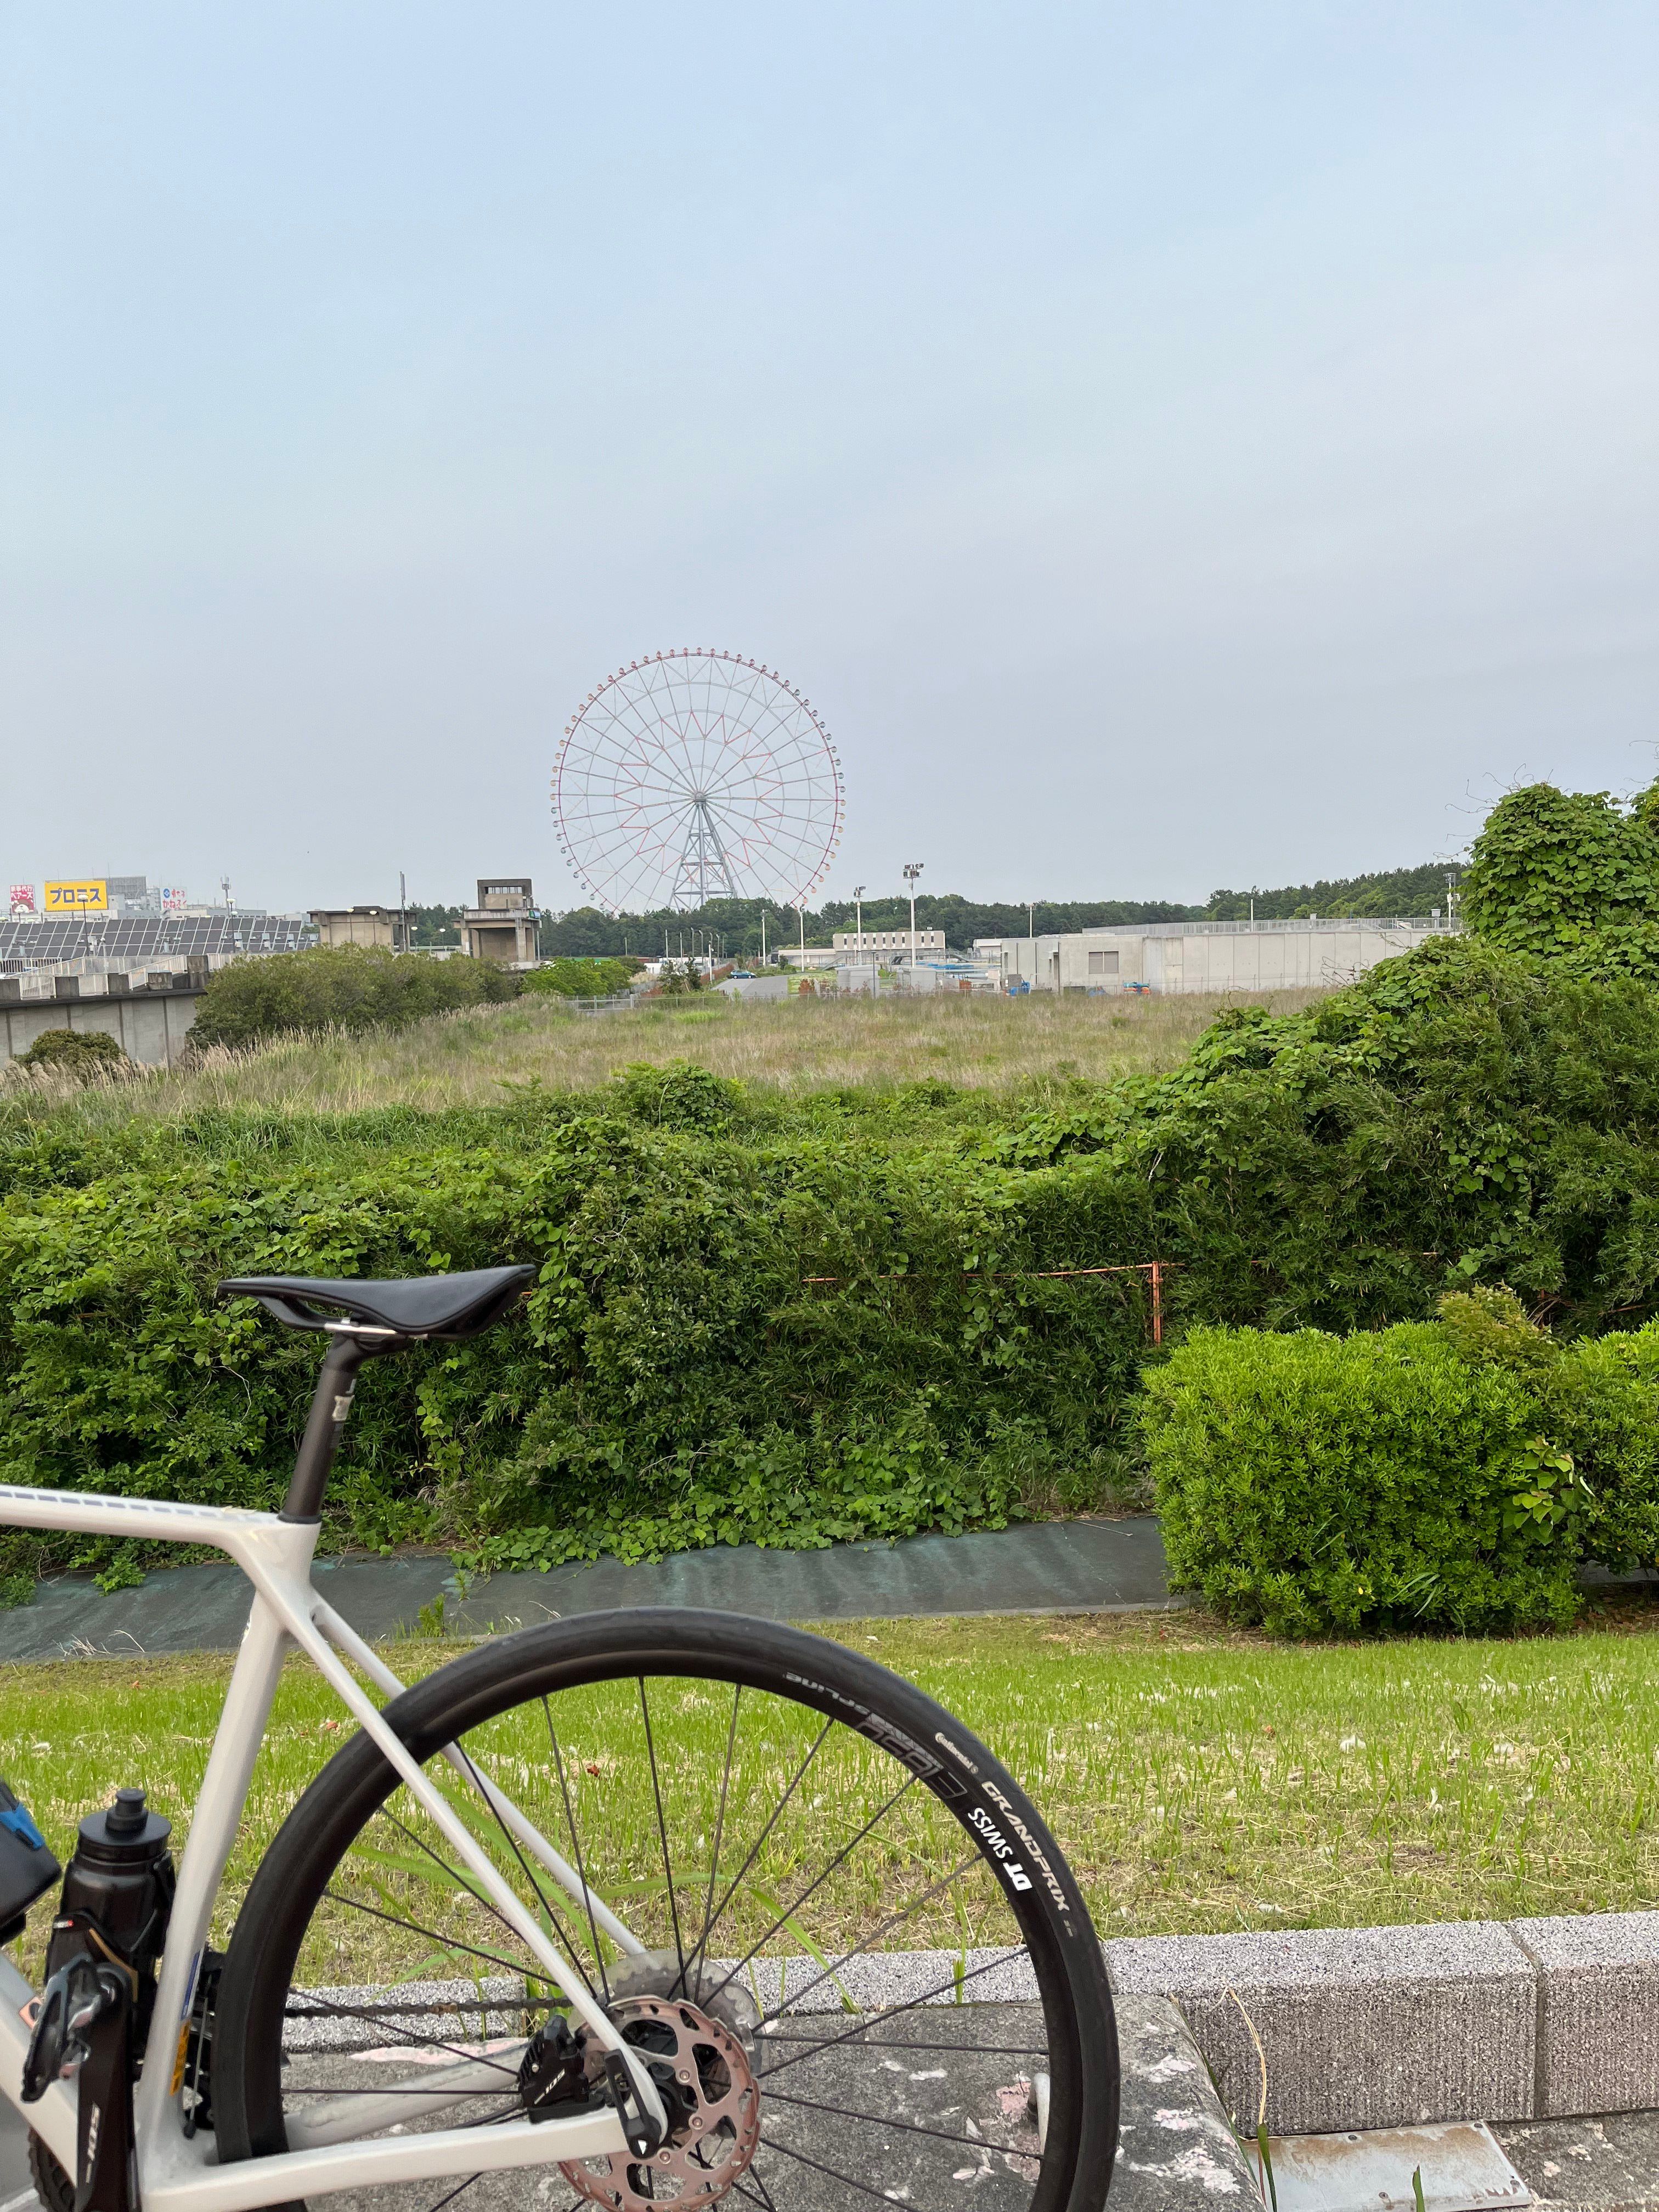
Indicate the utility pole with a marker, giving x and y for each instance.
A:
(403, 906)
(1030, 924)
(911, 870)
(763, 932)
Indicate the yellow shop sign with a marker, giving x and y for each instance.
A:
(82, 898)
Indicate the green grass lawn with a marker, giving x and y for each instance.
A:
(1199, 1779)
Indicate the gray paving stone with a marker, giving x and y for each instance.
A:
(1598, 2011)
(1603, 2164)
(1359, 2028)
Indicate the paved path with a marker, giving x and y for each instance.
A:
(1045, 1566)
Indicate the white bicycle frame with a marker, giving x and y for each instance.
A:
(177, 2172)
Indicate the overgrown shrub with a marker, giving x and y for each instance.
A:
(1322, 1484)
(737, 1334)
(1570, 876)
(343, 986)
(1459, 1115)
(87, 1055)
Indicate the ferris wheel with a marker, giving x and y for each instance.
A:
(694, 775)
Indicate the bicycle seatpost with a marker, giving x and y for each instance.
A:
(331, 1409)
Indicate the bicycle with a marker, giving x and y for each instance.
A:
(646, 1907)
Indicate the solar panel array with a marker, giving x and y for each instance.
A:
(81, 938)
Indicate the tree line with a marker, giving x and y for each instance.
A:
(735, 926)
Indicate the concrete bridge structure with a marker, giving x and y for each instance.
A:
(149, 1012)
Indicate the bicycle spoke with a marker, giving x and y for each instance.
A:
(461, 1880)
(881, 2196)
(860, 1950)
(890, 2012)
(325, 2010)
(662, 1831)
(840, 1859)
(397, 2089)
(542, 1897)
(877, 2120)
(989, 2050)
(760, 1840)
(697, 1949)
(454, 2193)
(575, 1846)
(446, 1942)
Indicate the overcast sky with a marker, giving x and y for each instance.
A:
(1172, 445)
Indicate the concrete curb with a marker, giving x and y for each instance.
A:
(1383, 2027)
(1358, 2028)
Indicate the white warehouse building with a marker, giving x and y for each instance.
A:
(1311, 954)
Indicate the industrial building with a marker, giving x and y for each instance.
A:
(502, 925)
(1312, 953)
(891, 944)
(376, 928)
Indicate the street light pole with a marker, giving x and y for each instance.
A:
(911, 870)
(1030, 924)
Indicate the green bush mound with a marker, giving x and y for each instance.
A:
(1450, 1474)
(350, 987)
(87, 1055)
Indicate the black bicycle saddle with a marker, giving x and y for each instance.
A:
(443, 1307)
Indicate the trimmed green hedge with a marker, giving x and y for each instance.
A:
(1449, 1473)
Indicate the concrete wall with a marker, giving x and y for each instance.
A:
(150, 1027)
(1171, 958)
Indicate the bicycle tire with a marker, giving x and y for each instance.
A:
(1015, 1863)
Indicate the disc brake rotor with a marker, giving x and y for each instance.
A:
(693, 2043)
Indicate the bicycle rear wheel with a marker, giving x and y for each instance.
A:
(852, 1949)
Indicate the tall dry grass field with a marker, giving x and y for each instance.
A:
(799, 1045)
